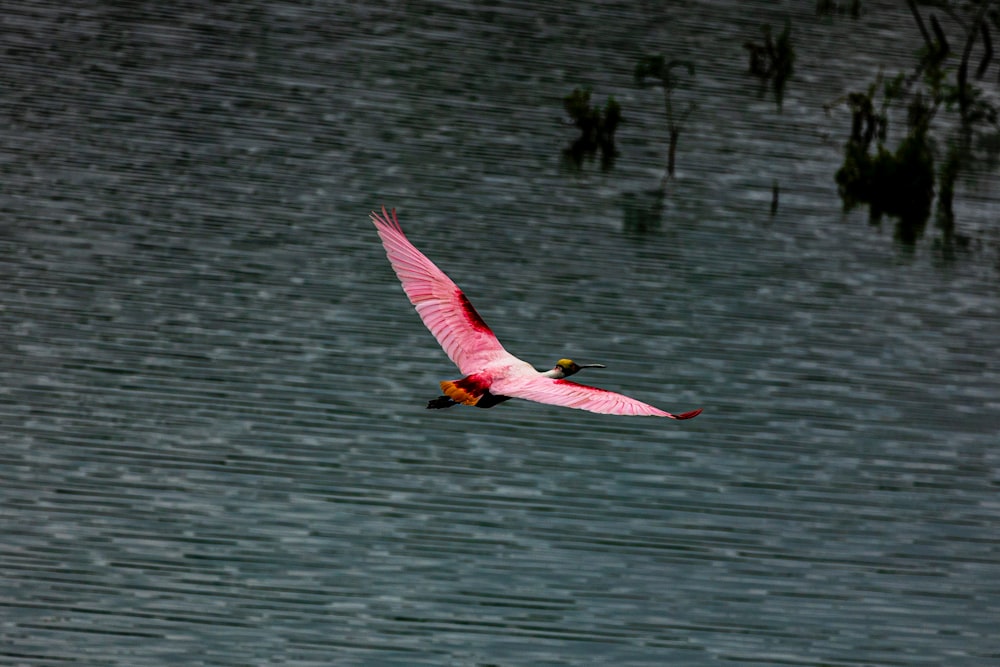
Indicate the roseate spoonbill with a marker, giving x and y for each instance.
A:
(492, 374)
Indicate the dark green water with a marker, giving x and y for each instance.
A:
(214, 448)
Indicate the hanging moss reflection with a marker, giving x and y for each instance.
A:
(898, 182)
(899, 178)
(597, 127)
(656, 70)
(773, 60)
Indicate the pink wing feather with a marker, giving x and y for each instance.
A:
(465, 337)
(583, 397)
(469, 342)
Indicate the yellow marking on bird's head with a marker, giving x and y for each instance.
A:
(566, 367)
(569, 367)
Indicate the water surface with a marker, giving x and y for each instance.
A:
(214, 447)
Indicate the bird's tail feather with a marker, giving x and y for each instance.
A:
(467, 391)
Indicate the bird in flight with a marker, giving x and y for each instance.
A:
(492, 374)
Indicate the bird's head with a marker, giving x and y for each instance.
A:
(567, 367)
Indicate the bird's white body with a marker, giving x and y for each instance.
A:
(492, 374)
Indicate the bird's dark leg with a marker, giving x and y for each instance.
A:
(488, 400)
(440, 402)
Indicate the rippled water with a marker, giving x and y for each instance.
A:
(214, 447)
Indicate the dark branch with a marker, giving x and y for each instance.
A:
(939, 35)
(984, 30)
(963, 68)
(920, 24)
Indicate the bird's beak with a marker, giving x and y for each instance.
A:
(592, 366)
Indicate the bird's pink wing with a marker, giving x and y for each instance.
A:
(573, 395)
(465, 337)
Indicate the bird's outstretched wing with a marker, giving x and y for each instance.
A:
(465, 337)
(580, 396)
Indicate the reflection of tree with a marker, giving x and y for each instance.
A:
(773, 60)
(900, 182)
(660, 71)
(597, 127)
(851, 7)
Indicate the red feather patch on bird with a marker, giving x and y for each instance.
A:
(474, 318)
(582, 386)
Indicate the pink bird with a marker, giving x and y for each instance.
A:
(492, 374)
